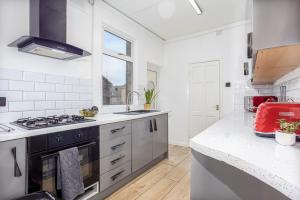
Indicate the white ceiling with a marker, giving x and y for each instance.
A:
(175, 18)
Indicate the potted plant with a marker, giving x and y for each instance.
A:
(287, 133)
(150, 95)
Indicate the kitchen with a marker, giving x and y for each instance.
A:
(148, 99)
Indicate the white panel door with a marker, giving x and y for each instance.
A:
(204, 96)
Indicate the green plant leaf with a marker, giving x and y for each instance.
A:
(150, 95)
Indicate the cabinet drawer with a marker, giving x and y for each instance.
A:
(112, 131)
(115, 145)
(115, 160)
(114, 176)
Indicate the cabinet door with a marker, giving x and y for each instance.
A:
(142, 134)
(160, 135)
(12, 184)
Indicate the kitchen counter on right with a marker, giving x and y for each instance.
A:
(231, 142)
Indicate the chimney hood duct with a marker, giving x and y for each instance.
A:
(48, 22)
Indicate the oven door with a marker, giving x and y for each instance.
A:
(42, 168)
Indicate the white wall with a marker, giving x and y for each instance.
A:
(228, 46)
(14, 22)
(147, 47)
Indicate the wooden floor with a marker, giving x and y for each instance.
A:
(168, 180)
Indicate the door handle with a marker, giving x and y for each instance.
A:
(17, 170)
(217, 107)
(155, 125)
(151, 127)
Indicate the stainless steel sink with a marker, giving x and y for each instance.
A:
(136, 112)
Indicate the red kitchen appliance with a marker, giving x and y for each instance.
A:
(251, 103)
(268, 114)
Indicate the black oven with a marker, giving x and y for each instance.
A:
(43, 153)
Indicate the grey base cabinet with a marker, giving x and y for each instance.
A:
(115, 153)
(214, 179)
(142, 147)
(12, 169)
(160, 135)
(149, 140)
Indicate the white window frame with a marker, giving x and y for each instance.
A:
(108, 52)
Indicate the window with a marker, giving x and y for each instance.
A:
(117, 69)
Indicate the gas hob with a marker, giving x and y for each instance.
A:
(50, 121)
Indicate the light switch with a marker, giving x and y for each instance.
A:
(2, 101)
(227, 84)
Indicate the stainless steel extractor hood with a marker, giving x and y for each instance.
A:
(48, 22)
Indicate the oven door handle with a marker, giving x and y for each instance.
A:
(79, 147)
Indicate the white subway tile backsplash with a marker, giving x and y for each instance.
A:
(55, 79)
(11, 74)
(85, 82)
(54, 96)
(45, 87)
(71, 80)
(44, 105)
(63, 104)
(12, 95)
(34, 96)
(34, 114)
(10, 116)
(81, 104)
(72, 111)
(21, 85)
(87, 97)
(33, 76)
(82, 89)
(54, 112)
(4, 84)
(21, 106)
(71, 96)
(63, 88)
(4, 109)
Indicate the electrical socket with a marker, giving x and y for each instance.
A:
(2, 101)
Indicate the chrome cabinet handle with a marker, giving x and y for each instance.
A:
(114, 177)
(117, 130)
(155, 125)
(17, 170)
(113, 162)
(117, 146)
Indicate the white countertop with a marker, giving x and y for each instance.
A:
(232, 140)
(99, 120)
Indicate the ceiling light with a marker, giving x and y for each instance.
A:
(196, 7)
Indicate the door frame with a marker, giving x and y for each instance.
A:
(220, 87)
(155, 68)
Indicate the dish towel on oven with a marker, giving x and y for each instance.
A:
(69, 177)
